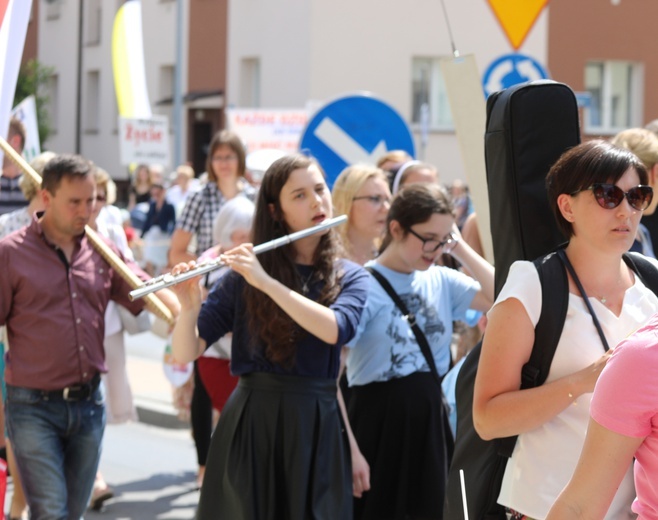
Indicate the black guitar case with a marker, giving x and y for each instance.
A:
(528, 127)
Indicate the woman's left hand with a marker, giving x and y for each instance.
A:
(360, 473)
(243, 261)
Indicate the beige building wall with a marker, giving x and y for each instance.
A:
(96, 99)
(312, 51)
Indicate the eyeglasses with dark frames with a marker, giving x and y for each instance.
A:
(430, 245)
(377, 200)
(609, 196)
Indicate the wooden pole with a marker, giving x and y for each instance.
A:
(153, 303)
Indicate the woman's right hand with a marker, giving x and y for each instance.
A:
(188, 291)
(585, 379)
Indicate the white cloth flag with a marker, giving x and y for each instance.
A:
(14, 17)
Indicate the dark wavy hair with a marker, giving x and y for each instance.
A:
(583, 165)
(270, 323)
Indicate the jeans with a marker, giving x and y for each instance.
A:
(57, 445)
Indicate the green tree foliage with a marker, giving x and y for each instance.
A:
(32, 81)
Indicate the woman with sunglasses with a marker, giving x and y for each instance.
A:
(396, 410)
(597, 192)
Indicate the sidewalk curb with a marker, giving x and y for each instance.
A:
(159, 415)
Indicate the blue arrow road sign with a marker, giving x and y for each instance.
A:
(354, 129)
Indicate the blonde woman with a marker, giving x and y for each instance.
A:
(644, 144)
(361, 192)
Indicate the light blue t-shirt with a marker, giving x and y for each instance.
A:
(385, 347)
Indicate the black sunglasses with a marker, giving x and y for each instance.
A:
(430, 245)
(610, 196)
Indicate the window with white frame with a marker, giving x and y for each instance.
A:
(92, 104)
(428, 89)
(615, 90)
(250, 82)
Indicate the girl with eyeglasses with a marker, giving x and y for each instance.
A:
(597, 192)
(396, 409)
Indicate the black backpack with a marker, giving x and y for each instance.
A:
(483, 462)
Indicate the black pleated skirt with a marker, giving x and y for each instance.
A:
(279, 452)
(402, 429)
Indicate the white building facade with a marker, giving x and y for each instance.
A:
(83, 105)
(304, 53)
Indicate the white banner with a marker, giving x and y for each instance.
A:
(144, 140)
(26, 112)
(14, 17)
(267, 129)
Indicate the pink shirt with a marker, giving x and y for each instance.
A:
(54, 311)
(626, 402)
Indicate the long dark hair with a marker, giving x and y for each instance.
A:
(271, 324)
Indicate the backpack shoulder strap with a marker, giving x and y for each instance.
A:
(554, 304)
(644, 268)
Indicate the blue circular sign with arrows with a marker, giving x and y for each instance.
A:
(354, 129)
(511, 69)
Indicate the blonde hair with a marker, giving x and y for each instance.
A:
(185, 169)
(103, 180)
(347, 184)
(640, 141)
(396, 156)
(26, 184)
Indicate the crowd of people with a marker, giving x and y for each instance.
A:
(319, 385)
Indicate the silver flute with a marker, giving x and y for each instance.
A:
(167, 280)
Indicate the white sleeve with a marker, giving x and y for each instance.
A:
(523, 284)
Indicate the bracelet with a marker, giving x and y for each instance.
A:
(453, 244)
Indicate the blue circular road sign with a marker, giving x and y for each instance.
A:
(511, 69)
(354, 129)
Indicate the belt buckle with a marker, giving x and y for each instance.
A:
(73, 393)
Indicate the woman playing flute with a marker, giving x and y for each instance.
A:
(279, 450)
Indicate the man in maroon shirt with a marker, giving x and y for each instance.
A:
(54, 288)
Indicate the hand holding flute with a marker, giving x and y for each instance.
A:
(181, 274)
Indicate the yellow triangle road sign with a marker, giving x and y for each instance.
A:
(517, 17)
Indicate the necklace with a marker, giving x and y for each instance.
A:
(306, 281)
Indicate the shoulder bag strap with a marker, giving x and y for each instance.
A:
(572, 272)
(411, 320)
